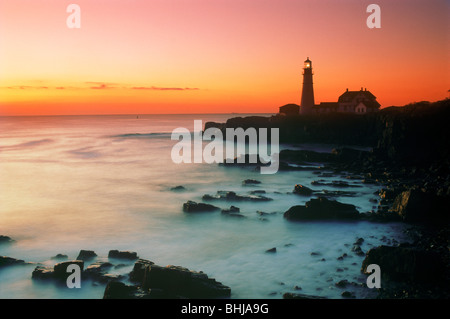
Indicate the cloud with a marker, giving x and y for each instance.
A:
(101, 85)
(154, 88)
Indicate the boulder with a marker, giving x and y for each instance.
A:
(179, 281)
(86, 255)
(302, 190)
(250, 182)
(178, 188)
(131, 255)
(322, 209)
(193, 207)
(137, 274)
(60, 269)
(406, 264)
(230, 195)
(8, 261)
(416, 206)
(42, 272)
(5, 239)
(232, 209)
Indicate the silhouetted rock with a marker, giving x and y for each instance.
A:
(86, 255)
(322, 208)
(271, 250)
(418, 206)
(9, 261)
(302, 190)
(131, 255)
(137, 274)
(406, 264)
(60, 269)
(5, 239)
(251, 182)
(183, 282)
(60, 256)
(192, 207)
(232, 196)
(178, 188)
(232, 209)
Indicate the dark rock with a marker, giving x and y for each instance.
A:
(271, 250)
(137, 274)
(41, 272)
(191, 207)
(60, 256)
(406, 263)
(131, 255)
(178, 188)
(322, 208)
(417, 206)
(250, 182)
(97, 271)
(60, 269)
(359, 241)
(290, 295)
(118, 290)
(302, 190)
(183, 282)
(232, 209)
(86, 255)
(6, 239)
(342, 283)
(348, 294)
(229, 195)
(257, 191)
(9, 261)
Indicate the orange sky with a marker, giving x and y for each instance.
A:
(216, 56)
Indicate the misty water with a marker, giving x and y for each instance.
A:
(104, 182)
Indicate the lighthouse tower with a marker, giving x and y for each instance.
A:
(307, 104)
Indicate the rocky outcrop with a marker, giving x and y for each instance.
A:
(232, 196)
(302, 190)
(130, 255)
(179, 281)
(322, 209)
(86, 255)
(418, 206)
(194, 207)
(9, 261)
(407, 264)
(58, 271)
(5, 239)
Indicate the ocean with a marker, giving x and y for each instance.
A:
(104, 182)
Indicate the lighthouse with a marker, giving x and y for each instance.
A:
(307, 104)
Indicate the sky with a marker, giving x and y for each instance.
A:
(216, 56)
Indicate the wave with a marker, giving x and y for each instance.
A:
(25, 145)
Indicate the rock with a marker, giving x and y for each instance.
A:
(41, 272)
(271, 250)
(191, 207)
(417, 206)
(359, 241)
(250, 182)
(60, 269)
(9, 261)
(302, 190)
(342, 283)
(178, 188)
(60, 256)
(229, 195)
(290, 295)
(5, 239)
(118, 290)
(322, 209)
(357, 250)
(179, 281)
(348, 294)
(131, 255)
(97, 271)
(137, 274)
(86, 255)
(232, 209)
(257, 191)
(406, 264)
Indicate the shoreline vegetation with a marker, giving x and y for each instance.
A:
(409, 156)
